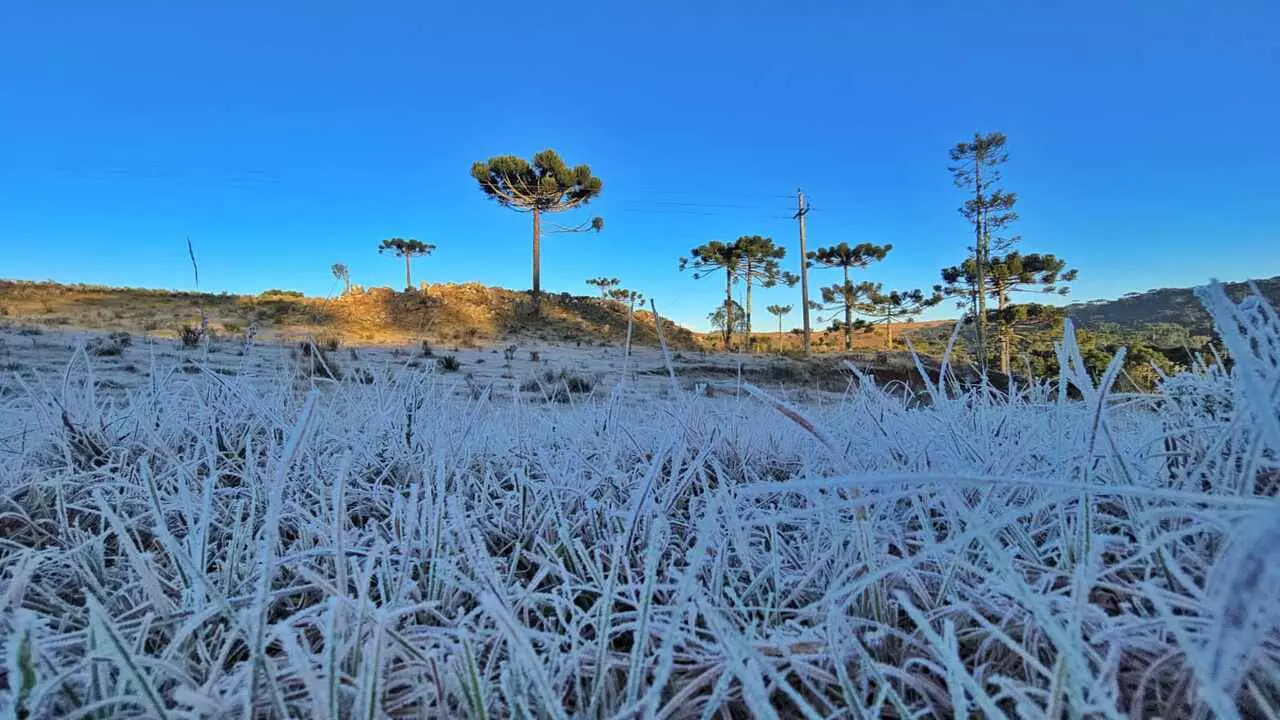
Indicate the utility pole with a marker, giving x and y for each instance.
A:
(801, 210)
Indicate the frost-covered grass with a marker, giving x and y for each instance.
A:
(214, 546)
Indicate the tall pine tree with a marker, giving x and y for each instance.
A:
(712, 257)
(975, 168)
(846, 258)
(547, 185)
(779, 311)
(1005, 275)
(759, 266)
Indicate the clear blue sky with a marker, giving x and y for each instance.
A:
(285, 136)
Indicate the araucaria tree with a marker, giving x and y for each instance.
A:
(547, 185)
(407, 249)
(716, 256)
(626, 297)
(341, 272)
(778, 311)
(975, 167)
(843, 300)
(884, 308)
(844, 296)
(1008, 274)
(604, 285)
(759, 266)
(729, 319)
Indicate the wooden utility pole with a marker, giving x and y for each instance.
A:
(801, 210)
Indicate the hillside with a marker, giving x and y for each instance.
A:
(445, 313)
(827, 341)
(1175, 306)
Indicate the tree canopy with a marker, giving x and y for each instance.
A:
(716, 256)
(884, 308)
(546, 185)
(604, 284)
(975, 167)
(340, 272)
(848, 257)
(844, 297)
(407, 249)
(738, 323)
(1005, 275)
(759, 266)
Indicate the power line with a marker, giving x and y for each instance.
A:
(719, 193)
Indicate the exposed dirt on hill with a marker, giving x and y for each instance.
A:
(467, 313)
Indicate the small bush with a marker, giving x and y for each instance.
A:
(330, 343)
(232, 327)
(426, 349)
(449, 363)
(190, 336)
(563, 381)
(534, 356)
(320, 364)
(30, 330)
(509, 353)
(104, 347)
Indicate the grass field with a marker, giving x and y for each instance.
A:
(212, 534)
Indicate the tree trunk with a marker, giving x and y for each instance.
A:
(888, 332)
(747, 319)
(779, 333)
(1002, 301)
(848, 313)
(408, 281)
(728, 308)
(980, 258)
(537, 257)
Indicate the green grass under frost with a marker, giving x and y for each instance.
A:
(224, 547)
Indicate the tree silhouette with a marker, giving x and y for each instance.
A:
(729, 319)
(779, 311)
(341, 272)
(712, 257)
(843, 300)
(407, 249)
(759, 266)
(846, 258)
(604, 285)
(885, 307)
(625, 296)
(976, 168)
(1007, 274)
(547, 185)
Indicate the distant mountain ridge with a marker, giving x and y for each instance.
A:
(1177, 306)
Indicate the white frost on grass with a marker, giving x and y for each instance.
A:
(211, 546)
